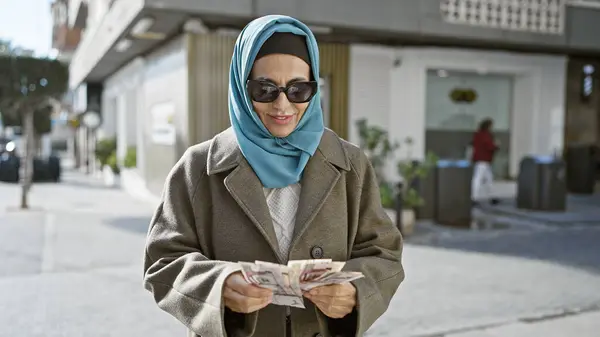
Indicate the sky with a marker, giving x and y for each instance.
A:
(27, 24)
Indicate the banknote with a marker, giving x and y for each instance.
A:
(286, 290)
(289, 281)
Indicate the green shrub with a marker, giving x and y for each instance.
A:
(104, 149)
(411, 171)
(130, 160)
(387, 194)
(112, 163)
(378, 147)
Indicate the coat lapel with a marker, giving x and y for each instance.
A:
(243, 185)
(247, 190)
(318, 180)
(320, 176)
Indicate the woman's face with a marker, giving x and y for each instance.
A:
(281, 116)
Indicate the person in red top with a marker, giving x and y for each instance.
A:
(484, 148)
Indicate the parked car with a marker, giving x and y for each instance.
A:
(44, 168)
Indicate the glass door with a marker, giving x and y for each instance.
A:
(456, 102)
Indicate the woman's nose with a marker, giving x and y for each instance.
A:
(281, 102)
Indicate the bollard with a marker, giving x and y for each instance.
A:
(399, 208)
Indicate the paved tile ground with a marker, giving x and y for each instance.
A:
(72, 267)
(584, 325)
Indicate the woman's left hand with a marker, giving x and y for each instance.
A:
(335, 301)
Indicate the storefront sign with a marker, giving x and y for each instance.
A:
(163, 127)
(91, 119)
(460, 95)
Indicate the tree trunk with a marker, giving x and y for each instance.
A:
(27, 158)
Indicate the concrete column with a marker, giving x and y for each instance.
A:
(121, 127)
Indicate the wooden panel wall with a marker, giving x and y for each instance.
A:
(209, 57)
(335, 63)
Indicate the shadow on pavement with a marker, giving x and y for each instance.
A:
(134, 224)
(570, 238)
(573, 247)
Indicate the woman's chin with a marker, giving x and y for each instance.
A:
(281, 130)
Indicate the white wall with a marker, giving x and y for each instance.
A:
(165, 87)
(370, 86)
(123, 107)
(370, 90)
(538, 106)
(166, 82)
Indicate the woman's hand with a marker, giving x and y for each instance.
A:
(242, 297)
(335, 301)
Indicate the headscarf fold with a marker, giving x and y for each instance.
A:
(278, 162)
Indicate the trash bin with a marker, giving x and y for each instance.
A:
(541, 184)
(581, 168)
(54, 168)
(453, 193)
(9, 168)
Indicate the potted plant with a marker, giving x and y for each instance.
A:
(104, 149)
(410, 170)
(111, 171)
(130, 160)
(378, 148)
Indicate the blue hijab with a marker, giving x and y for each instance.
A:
(278, 162)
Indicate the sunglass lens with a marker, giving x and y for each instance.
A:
(300, 92)
(262, 92)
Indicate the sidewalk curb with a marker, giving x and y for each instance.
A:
(135, 186)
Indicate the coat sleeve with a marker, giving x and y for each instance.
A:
(183, 280)
(376, 252)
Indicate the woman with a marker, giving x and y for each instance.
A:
(484, 148)
(274, 187)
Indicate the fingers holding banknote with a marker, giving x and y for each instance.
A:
(335, 300)
(243, 297)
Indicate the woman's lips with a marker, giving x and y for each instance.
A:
(282, 120)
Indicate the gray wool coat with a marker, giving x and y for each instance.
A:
(213, 213)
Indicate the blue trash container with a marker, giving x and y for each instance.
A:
(453, 193)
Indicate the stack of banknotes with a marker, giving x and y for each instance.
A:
(288, 282)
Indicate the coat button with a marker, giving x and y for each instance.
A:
(316, 252)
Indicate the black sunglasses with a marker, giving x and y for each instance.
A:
(267, 92)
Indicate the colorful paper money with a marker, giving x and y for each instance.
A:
(288, 282)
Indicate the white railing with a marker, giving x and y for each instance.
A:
(546, 16)
(593, 4)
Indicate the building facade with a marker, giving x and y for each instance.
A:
(65, 40)
(160, 72)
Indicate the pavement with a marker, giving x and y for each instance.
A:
(584, 325)
(72, 267)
